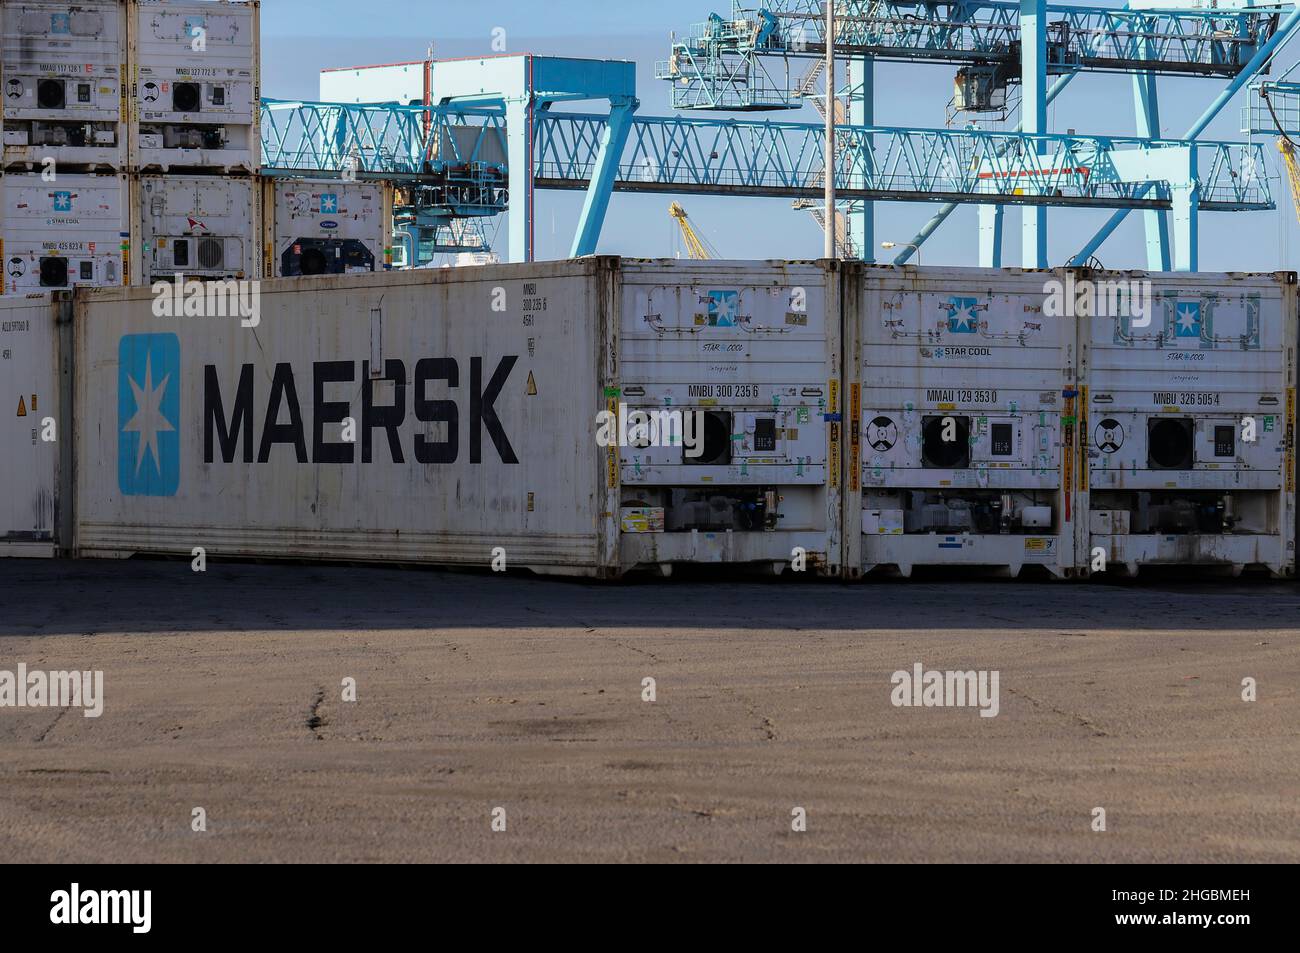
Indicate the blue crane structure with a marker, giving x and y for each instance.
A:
(489, 137)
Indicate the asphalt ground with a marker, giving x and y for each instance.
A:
(522, 700)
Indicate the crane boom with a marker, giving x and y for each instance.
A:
(696, 247)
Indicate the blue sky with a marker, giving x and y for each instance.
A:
(300, 38)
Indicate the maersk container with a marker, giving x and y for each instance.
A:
(326, 227)
(62, 77)
(30, 428)
(195, 85)
(436, 416)
(961, 402)
(66, 233)
(750, 350)
(1190, 420)
(206, 227)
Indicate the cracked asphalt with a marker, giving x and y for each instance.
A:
(225, 691)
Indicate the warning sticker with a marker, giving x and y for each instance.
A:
(532, 385)
(1040, 547)
(22, 407)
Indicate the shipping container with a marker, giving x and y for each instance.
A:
(204, 227)
(437, 416)
(740, 363)
(69, 232)
(405, 83)
(64, 102)
(196, 86)
(961, 396)
(326, 227)
(30, 428)
(1190, 420)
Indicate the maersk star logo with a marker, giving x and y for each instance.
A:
(962, 315)
(1187, 319)
(62, 201)
(329, 203)
(148, 411)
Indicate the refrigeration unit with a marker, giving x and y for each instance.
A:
(63, 234)
(64, 104)
(1190, 425)
(960, 440)
(202, 227)
(735, 367)
(326, 227)
(195, 86)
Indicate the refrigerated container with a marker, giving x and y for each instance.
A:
(195, 77)
(747, 356)
(326, 227)
(31, 490)
(433, 416)
(69, 232)
(962, 396)
(205, 227)
(62, 73)
(1190, 424)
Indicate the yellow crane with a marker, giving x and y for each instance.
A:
(697, 247)
(1288, 149)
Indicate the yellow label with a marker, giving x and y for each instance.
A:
(1290, 440)
(855, 434)
(835, 434)
(611, 452)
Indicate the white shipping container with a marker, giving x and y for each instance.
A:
(1190, 424)
(962, 435)
(66, 233)
(752, 348)
(203, 227)
(62, 77)
(326, 227)
(405, 83)
(472, 409)
(196, 85)
(29, 425)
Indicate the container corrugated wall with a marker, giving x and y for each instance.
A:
(472, 396)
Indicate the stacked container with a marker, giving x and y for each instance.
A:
(194, 139)
(64, 216)
(316, 227)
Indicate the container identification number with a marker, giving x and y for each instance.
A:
(1173, 398)
(722, 390)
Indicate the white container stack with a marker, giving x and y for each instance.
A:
(104, 102)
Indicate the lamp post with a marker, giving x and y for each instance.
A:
(888, 245)
(830, 129)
